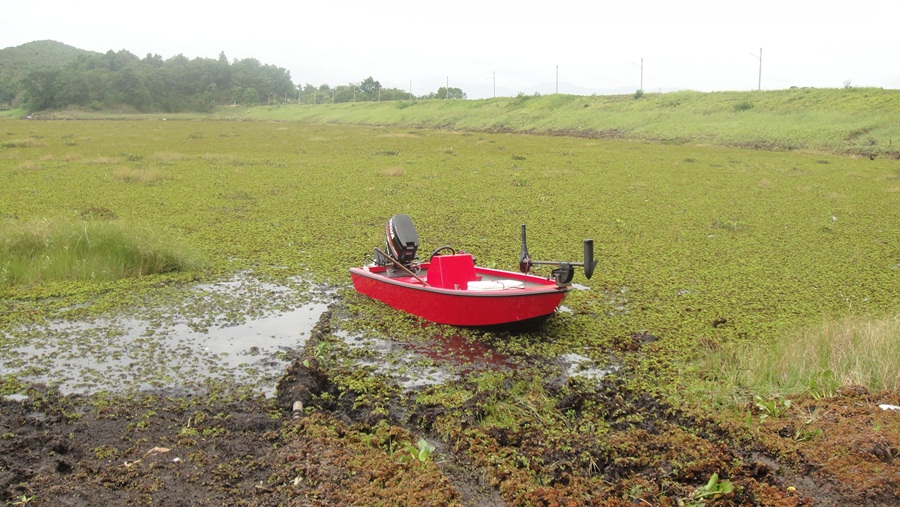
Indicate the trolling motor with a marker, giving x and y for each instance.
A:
(564, 270)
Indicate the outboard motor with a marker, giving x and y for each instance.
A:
(402, 241)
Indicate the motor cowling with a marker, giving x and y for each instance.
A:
(402, 240)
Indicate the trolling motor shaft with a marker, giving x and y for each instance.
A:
(564, 271)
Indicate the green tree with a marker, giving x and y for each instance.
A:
(250, 96)
(344, 93)
(40, 86)
(447, 93)
(120, 79)
(394, 94)
(369, 88)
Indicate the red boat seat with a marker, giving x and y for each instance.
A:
(451, 271)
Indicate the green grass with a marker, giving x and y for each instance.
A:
(721, 253)
(859, 121)
(36, 252)
(725, 255)
(13, 113)
(696, 243)
(846, 351)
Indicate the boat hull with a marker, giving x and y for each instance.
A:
(531, 298)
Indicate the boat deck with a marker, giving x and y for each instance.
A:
(483, 279)
(479, 297)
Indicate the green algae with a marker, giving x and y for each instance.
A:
(698, 246)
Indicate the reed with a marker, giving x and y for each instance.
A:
(59, 250)
(817, 360)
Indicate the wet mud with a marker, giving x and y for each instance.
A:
(497, 429)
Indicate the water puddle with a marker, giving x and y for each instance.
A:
(465, 355)
(448, 357)
(416, 365)
(617, 302)
(576, 365)
(241, 331)
(394, 360)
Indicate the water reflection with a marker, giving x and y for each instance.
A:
(240, 330)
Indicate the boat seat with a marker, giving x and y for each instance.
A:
(451, 271)
(496, 285)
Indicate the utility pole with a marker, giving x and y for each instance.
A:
(447, 88)
(410, 90)
(759, 83)
(557, 79)
(642, 73)
(495, 84)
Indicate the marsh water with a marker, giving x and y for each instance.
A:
(236, 332)
(241, 331)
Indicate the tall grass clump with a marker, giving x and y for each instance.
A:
(818, 360)
(130, 175)
(71, 250)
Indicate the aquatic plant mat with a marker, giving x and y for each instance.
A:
(612, 401)
(180, 339)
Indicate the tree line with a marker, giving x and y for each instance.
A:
(367, 90)
(121, 80)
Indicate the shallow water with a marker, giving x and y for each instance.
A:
(414, 365)
(448, 357)
(576, 365)
(239, 331)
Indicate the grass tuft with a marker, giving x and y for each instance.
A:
(819, 360)
(29, 166)
(130, 175)
(21, 143)
(87, 250)
(393, 171)
(104, 161)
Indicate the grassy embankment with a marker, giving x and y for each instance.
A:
(851, 120)
(857, 121)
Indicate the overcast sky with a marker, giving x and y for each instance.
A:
(510, 47)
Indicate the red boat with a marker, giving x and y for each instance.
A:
(450, 289)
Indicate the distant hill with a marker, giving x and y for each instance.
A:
(38, 54)
(17, 62)
(49, 75)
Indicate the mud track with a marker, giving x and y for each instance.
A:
(320, 442)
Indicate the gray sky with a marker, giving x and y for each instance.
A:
(597, 46)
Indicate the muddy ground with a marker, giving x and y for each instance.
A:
(325, 440)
